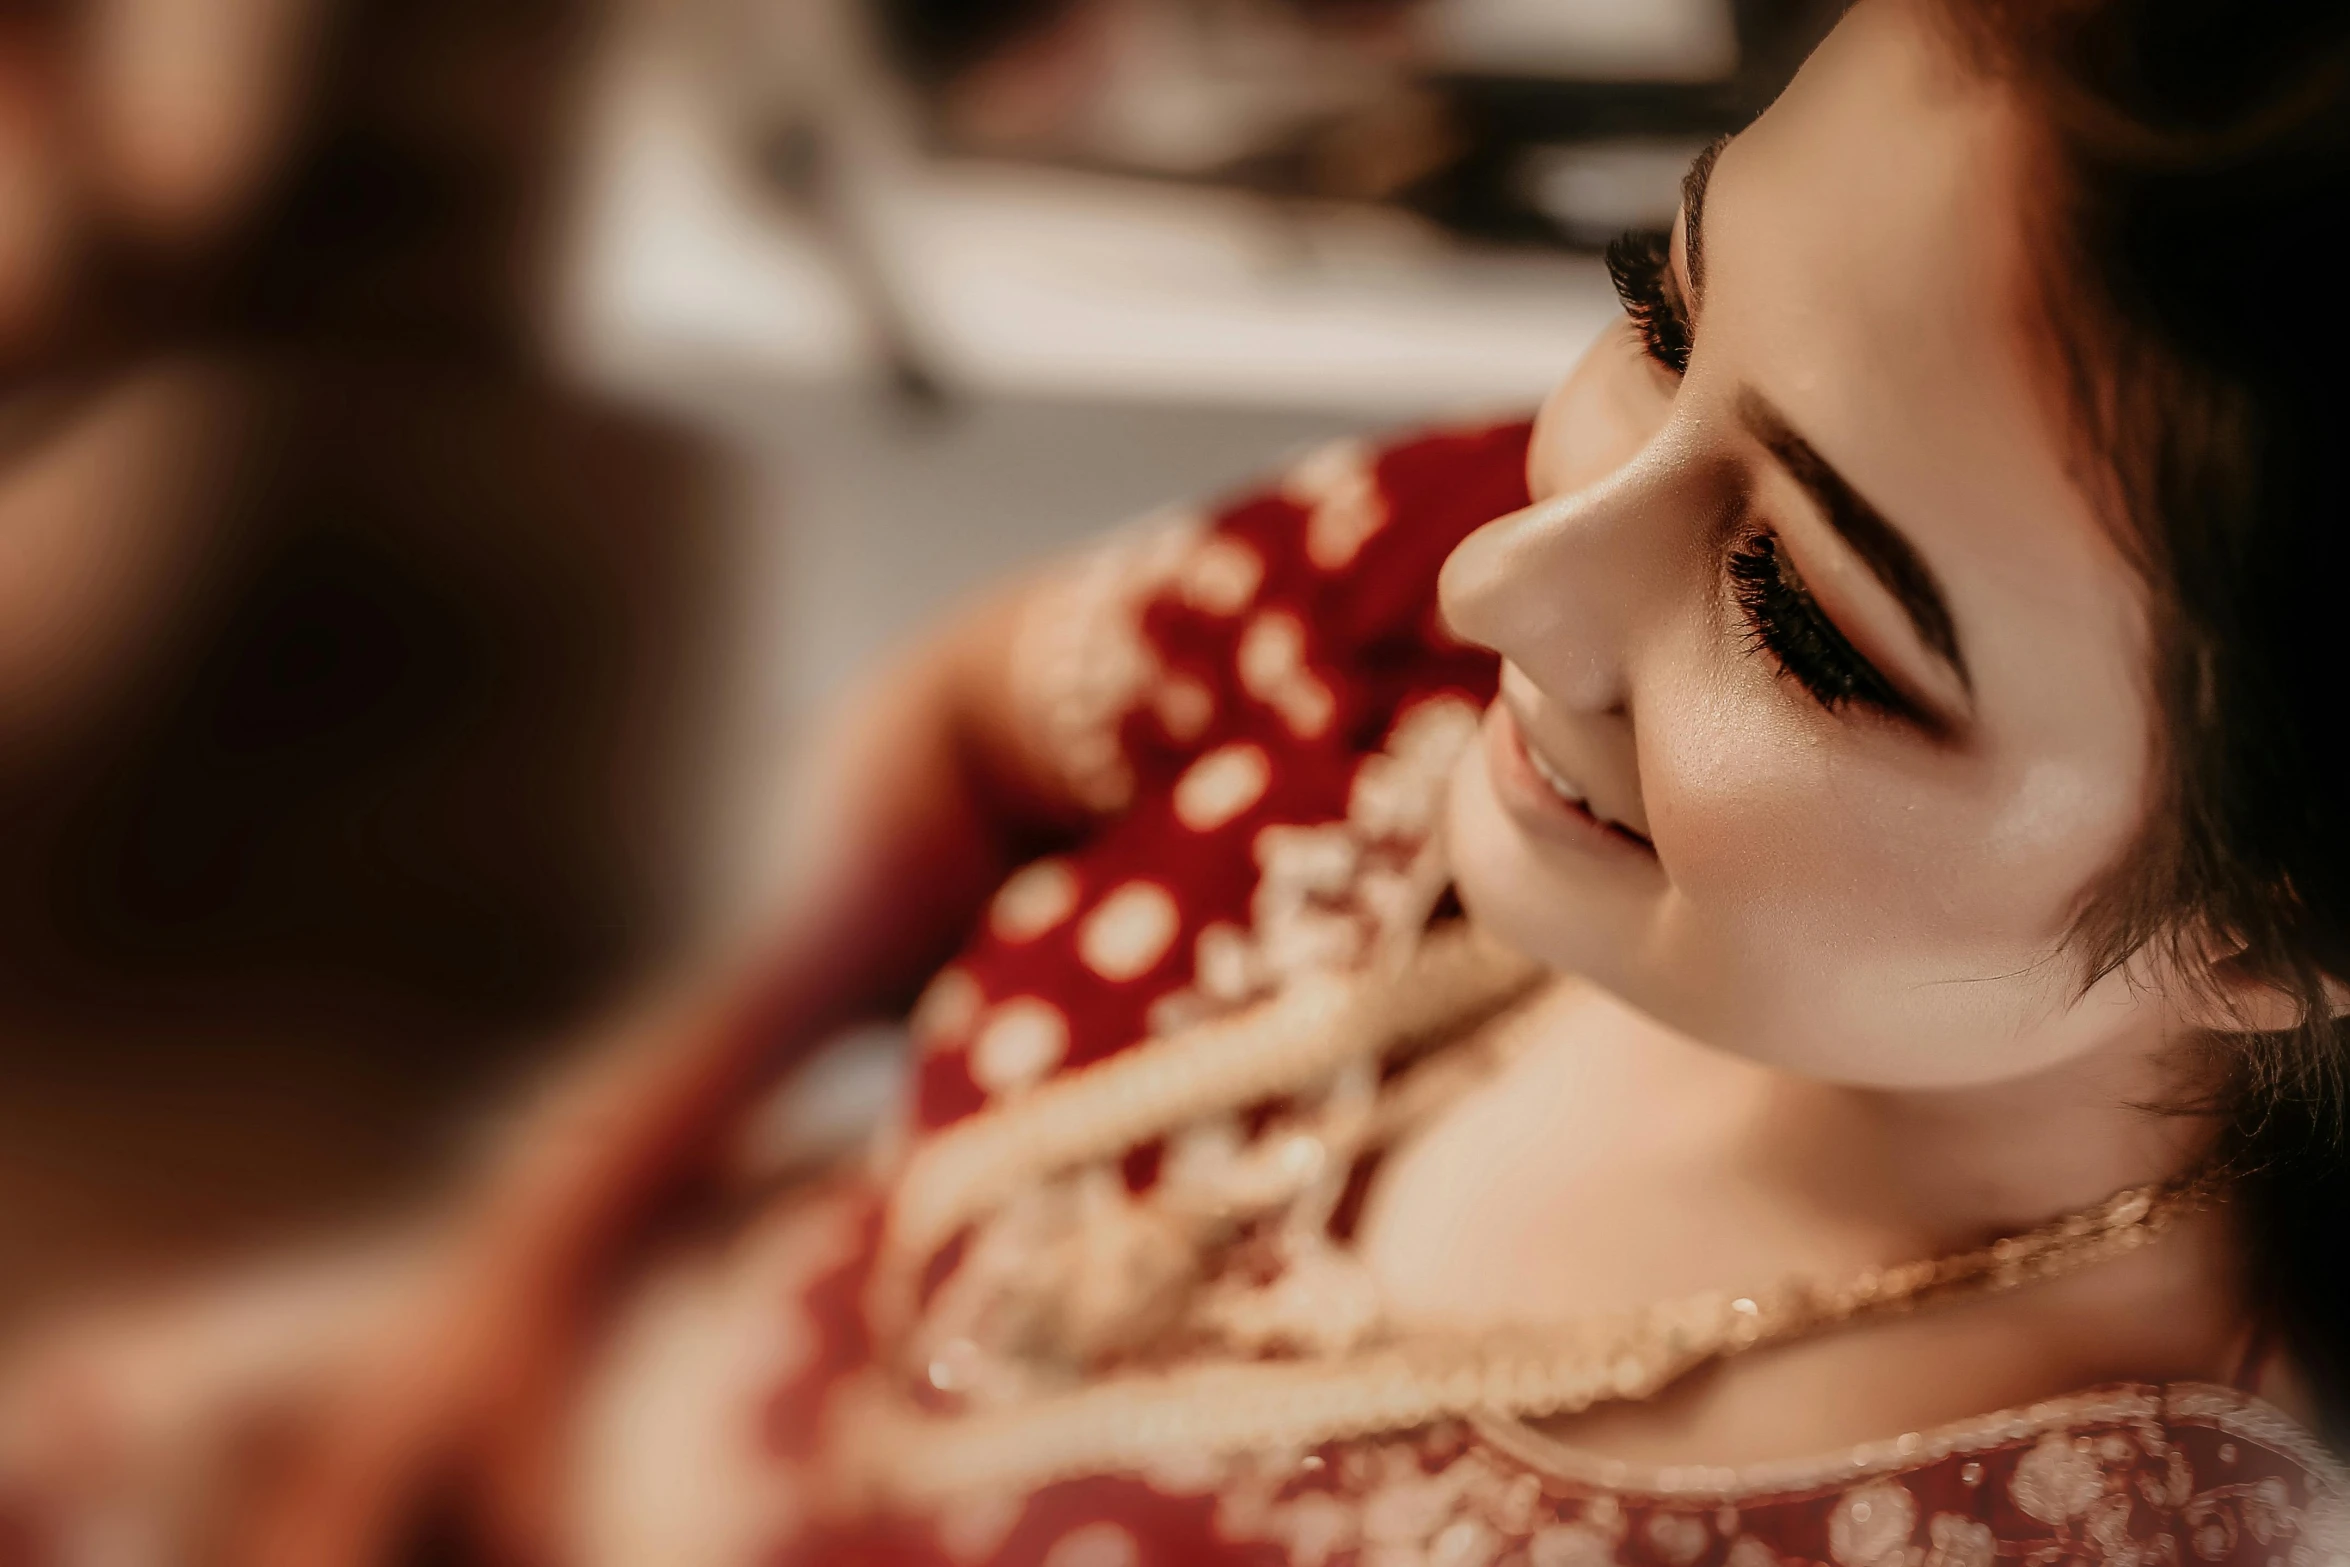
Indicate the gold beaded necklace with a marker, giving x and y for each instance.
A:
(1232, 1409)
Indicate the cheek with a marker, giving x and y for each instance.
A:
(1851, 911)
(1599, 418)
(1763, 822)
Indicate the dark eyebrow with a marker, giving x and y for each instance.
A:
(1701, 169)
(1891, 559)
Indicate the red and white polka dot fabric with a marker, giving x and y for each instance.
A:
(1267, 654)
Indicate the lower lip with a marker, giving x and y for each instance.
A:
(1536, 805)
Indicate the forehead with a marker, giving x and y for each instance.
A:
(1868, 270)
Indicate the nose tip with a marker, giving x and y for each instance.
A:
(1472, 581)
(1559, 587)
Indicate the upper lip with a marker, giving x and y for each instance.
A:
(1562, 779)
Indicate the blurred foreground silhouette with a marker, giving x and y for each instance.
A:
(345, 646)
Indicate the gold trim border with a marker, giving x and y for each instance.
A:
(2225, 1409)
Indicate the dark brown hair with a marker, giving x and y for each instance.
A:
(2195, 204)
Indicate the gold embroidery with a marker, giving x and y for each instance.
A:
(1339, 486)
(2057, 1480)
(1293, 1042)
(1032, 900)
(1019, 1043)
(1871, 1525)
(1439, 1495)
(1080, 661)
(2183, 1404)
(1221, 785)
(1956, 1541)
(947, 1009)
(1222, 576)
(1271, 661)
(1128, 931)
(1328, 895)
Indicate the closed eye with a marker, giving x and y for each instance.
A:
(1640, 263)
(1785, 623)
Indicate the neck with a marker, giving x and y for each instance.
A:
(1957, 1165)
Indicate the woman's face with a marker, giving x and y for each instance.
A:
(1826, 626)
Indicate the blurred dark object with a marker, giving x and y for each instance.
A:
(1339, 99)
(407, 194)
(383, 778)
(934, 42)
(409, 732)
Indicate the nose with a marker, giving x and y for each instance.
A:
(1560, 588)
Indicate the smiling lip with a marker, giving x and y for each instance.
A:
(1527, 788)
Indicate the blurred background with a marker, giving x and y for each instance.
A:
(449, 450)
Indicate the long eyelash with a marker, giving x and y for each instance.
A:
(1787, 623)
(1639, 262)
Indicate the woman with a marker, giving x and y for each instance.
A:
(1908, 711)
